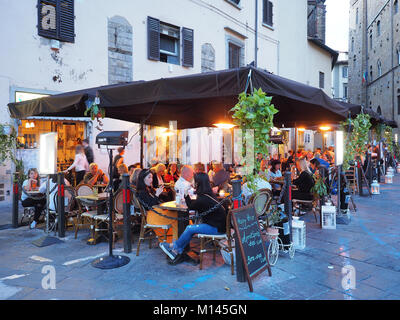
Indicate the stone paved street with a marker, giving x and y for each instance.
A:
(370, 243)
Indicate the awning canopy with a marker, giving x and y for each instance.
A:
(197, 100)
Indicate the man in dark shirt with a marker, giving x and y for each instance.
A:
(88, 151)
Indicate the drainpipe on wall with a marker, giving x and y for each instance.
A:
(256, 35)
(392, 64)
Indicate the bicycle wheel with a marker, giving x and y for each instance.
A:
(273, 252)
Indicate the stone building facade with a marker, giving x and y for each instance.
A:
(374, 56)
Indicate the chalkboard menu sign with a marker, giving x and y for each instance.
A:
(251, 244)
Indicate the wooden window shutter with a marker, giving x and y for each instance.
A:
(187, 47)
(47, 18)
(56, 19)
(153, 39)
(66, 18)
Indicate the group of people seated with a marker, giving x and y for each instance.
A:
(303, 164)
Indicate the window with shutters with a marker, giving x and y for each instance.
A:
(396, 6)
(236, 3)
(344, 72)
(345, 90)
(56, 19)
(165, 42)
(268, 13)
(321, 80)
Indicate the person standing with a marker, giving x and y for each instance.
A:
(118, 160)
(80, 164)
(88, 151)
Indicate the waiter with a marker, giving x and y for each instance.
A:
(88, 151)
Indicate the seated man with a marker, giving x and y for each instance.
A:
(184, 183)
(95, 175)
(221, 178)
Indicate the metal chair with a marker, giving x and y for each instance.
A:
(313, 204)
(223, 242)
(147, 230)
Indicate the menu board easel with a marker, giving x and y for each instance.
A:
(251, 244)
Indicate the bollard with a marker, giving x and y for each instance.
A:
(288, 200)
(127, 213)
(61, 204)
(359, 177)
(15, 201)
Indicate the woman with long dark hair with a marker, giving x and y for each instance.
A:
(150, 196)
(32, 184)
(212, 223)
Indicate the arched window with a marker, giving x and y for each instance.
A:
(398, 53)
(352, 44)
(378, 28)
(379, 110)
(370, 39)
(370, 73)
(379, 68)
(357, 17)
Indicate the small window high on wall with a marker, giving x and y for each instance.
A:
(268, 12)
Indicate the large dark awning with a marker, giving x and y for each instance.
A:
(197, 100)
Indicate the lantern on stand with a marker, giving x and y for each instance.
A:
(328, 216)
(388, 178)
(375, 187)
(398, 168)
(391, 171)
(298, 233)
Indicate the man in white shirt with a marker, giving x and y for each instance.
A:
(184, 183)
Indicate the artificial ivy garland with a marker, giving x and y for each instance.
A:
(255, 111)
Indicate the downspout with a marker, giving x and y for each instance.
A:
(256, 35)
(392, 35)
(366, 52)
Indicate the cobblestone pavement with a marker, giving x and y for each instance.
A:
(370, 244)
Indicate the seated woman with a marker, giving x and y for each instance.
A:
(150, 196)
(95, 175)
(32, 184)
(213, 223)
(304, 182)
(134, 177)
(172, 174)
(158, 181)
(275, 173)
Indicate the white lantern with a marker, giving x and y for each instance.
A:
(298, 233)
(388, 178)
(375, 187)
(328, 216)
(391, 171)
(398, 168)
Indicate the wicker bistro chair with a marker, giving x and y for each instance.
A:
(146, 230)
(29, 212)
(85, 215)
(223, 242)
(69, 211)
(262, 201)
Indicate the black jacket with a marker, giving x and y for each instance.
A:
(89, 154)
(148, 198)
(216, 218)
(155, 180)
(304, 182)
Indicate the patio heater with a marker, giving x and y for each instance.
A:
(111, 138)
(48, 167)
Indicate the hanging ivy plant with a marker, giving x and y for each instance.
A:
(8, 142)
(95, 112)
(379, 130)
(356, 140)
(255, 111)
